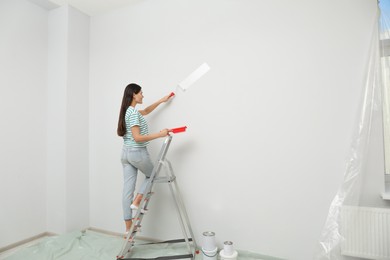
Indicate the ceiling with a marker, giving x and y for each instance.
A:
(89, 7)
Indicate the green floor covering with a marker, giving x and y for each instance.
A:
(90, 245)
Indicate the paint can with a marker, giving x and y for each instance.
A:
(228, 252)
(209, 243)
(228, 247)
(210, 254)
(209, 247)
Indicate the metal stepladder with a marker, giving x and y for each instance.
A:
(170, 179)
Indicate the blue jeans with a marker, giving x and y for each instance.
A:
(134, 159)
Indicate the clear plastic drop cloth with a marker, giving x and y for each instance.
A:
(372, 98)
(91, 245)
(88, 245)
(74, 245)
(385, 62)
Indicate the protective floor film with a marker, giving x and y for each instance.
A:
(88, 245)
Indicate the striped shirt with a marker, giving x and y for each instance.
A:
(134, 118)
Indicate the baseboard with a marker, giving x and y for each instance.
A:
(143, 238)
(111, 233)
(25, 241)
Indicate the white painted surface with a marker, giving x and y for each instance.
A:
(77, 127)
(194, 76)
(269, 126)
(44, 99)
(23, 93)
(67, 172)
(56, 120)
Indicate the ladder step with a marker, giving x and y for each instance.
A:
(164, 179)
(131, 237)
(180, 240)
(163, 257)
(143, 211)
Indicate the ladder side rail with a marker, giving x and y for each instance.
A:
(178, 205)
(161, 157)
(183, 217)
(181, 203)
(184, 212)
(130, 238)
(127, 244)
(125, 247)
(184, 231)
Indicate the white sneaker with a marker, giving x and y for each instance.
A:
(135, 208)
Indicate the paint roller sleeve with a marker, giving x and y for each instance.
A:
(194, 76)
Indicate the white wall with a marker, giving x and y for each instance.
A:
(77, 121)
(56, 123)
(44, 60)
(23, 93)
(67, 163)
(269, 127)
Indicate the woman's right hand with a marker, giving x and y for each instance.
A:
(164, 132)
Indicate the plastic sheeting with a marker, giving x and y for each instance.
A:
(350, 190)
(90, 245)
(385, 54)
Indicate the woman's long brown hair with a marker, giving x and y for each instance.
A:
(130, 90)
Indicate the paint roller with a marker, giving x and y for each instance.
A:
(193, 77)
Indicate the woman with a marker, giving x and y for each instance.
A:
(134, 129)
